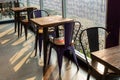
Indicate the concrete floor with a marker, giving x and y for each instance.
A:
(17, 61)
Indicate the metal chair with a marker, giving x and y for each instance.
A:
(90, 41)
(65, 43)
(38, 30)
(26, 22)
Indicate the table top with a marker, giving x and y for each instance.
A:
(49, 21)
(110, 57)
(18, 9)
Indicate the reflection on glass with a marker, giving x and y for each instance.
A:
(5, 11)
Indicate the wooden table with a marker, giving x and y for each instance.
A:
(17, 11)
(45, 22)
(109, 57)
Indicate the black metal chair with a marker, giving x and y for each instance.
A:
(38, 30)
(65, 43)
(26, 22)
(90, 41)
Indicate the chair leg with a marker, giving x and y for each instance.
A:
(89, 72)
(76, 62)
(59, 57)
(16, 22)
(36, 40)
(21, 30)
(25, 29)
(40, 38)
(15, 26)
(49, 54)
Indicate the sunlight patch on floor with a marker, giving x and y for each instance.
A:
(31, 56)
(19, 65)
(5, 32)
(32, 78)
(32, 39)
(11, 32)
(19, 54)
(5, 41)
(1, 27)
(21, 39)
(47, 75)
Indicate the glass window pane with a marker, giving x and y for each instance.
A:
(24, 2)
(5, 11)
(89, 12)
(34, 3)
(54, 7)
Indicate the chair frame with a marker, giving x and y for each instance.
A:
(94, 45)
(63, 46)
(38, 35)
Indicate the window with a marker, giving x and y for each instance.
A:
(89, 12)
(54, 7)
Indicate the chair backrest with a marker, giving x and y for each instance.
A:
(76, 30)
(71, 31)
(38, 13)
(75, 35)
(16, 4)
(29, 10)
(68, 29)
(90, 40)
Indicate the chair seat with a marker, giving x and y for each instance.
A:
(40, 31)
(59, 41)
(22, 17)
(25, 21)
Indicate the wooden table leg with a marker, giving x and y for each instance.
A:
(45, 44)
(15, 18)
(18, 22)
